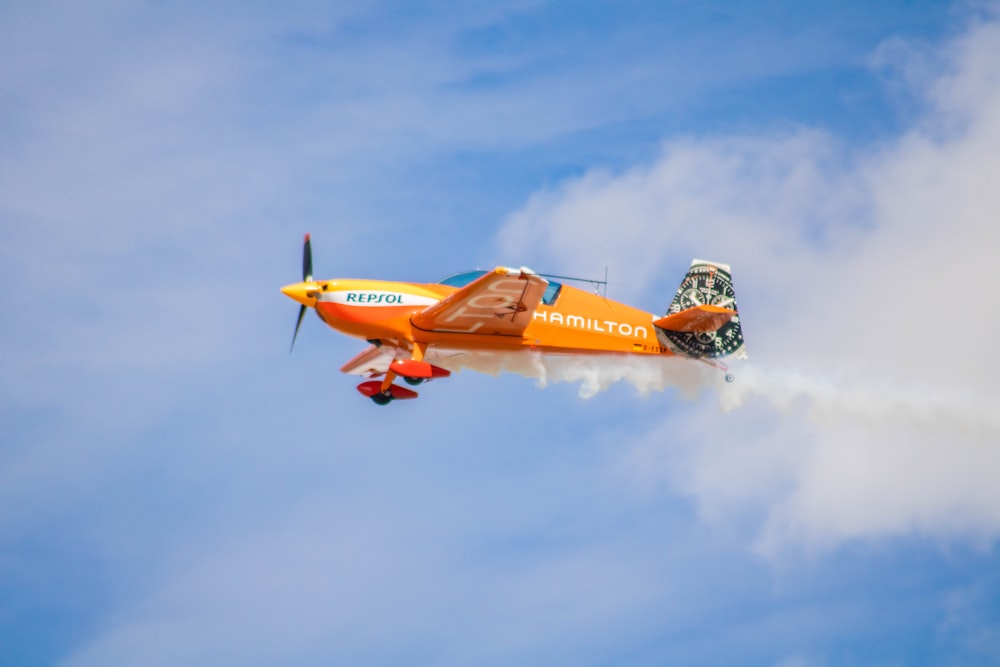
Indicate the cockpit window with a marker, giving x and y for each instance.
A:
(551, 293)
(462, 279)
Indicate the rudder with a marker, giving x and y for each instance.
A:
(706, 284)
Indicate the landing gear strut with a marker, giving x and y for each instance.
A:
(720, 366)
(413, 371)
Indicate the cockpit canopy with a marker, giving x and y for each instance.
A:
(462, 279)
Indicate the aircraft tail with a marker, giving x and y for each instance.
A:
(703, 320)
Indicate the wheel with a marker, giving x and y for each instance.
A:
(382, 399)
(413, 381)
(729, 377)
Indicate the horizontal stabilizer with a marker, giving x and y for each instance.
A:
(697, 319)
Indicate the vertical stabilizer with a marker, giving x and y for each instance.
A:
(706, 283)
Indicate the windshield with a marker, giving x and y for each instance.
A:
(462, 279)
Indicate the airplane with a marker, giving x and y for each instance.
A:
(422, 331)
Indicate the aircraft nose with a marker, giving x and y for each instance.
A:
(304, 292)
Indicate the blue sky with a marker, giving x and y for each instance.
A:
(176, 489)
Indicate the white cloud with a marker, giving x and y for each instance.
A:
(731, 198)
(865, 282)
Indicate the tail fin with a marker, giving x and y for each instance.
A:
(703, 320)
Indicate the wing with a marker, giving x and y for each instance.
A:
(372, 362)
(501, 302)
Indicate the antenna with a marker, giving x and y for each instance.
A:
(597, 284)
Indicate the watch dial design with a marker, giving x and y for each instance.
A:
(711, 284)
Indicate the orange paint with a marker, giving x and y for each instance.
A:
(505, 309)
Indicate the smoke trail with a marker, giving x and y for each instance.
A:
(826, 396)
(646, 375)
(882, 400)
(593, 373)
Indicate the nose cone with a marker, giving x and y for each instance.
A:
(304, 292)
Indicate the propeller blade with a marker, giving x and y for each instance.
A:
(307, 260)
(307, 276)
(302, 313)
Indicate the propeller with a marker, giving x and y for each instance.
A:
(307, 260)
(307, 276)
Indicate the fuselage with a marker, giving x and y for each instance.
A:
(568, 321)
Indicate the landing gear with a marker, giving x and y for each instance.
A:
(417, 370)
(373, 390)
(718, 365)
(413, 371)
(381, 399)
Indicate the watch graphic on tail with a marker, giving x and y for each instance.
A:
(706, 283)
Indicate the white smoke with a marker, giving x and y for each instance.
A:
(875, 400)
(826, 395)
(594, 373)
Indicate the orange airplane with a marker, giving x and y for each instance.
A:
(420, 332)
